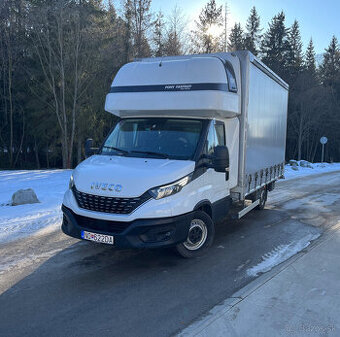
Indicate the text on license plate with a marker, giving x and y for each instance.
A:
(102, 238)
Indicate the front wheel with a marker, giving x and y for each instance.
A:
(200, 236)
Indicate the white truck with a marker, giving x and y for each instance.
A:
(197, 136)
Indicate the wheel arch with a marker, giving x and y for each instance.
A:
(205, 206)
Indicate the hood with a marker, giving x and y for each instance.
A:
(119, 176)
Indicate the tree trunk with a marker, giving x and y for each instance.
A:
(64, 151)
(47, 158)
(36, 151)
(300, 137)
(21, 141)
(75, 95)
(63, 88)
(10, 103)
(314, 152)
(79, 148)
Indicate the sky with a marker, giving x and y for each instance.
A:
(318, 19)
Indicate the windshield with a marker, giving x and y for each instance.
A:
(155, 138)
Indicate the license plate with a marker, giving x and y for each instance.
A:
(101, 238)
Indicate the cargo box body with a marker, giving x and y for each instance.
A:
(263, 124)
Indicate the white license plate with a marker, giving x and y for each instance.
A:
(101, 238)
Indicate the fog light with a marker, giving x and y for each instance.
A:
(159, 234)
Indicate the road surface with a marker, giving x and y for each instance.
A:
(53, 285)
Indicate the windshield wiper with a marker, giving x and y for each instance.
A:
(163, 155)
(116, 149)
(159, 154)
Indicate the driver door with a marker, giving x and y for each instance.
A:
(216, 181)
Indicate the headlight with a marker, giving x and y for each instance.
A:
(166, 190)
(71, 183)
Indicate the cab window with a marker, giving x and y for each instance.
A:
(216, 136)
(220, 134)
(232, 85)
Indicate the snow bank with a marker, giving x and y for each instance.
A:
(292, 172)
(280, 254)
(20, 221)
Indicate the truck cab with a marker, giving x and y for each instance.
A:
(165, 173)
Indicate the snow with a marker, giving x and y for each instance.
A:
(50, 185)
(22, 262)
(315, 168)
(317, 202)
(280, 254)
(23, 220)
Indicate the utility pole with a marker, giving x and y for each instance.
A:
(226, 12)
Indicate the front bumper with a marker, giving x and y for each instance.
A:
(141, 233)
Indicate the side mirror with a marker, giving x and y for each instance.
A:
(221, 159)
(89, 149)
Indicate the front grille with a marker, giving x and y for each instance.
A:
(111, 205)
(110, 227)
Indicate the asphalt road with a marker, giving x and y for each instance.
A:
(52, 285)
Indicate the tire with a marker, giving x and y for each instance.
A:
(200, 237)
(263, 199)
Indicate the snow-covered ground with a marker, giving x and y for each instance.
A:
(24, 220)
(50, 185)
(315, 168)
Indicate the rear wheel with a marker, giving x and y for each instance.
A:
(200, 236)
(263, 199)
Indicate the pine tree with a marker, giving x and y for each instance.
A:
(204, 38)
(172, 45)
(253, 32)
(330, 77)
(128, 41)
(274, 45)
(330, 67)
(236, 41)
(158, 35)
(138, 15)
(310, 63)
(294, 57)
(210, 14)
(174, 38)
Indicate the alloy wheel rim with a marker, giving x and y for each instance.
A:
(197, 236)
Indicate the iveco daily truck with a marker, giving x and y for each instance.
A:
(197, 136)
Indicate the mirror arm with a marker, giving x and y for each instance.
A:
(206, 156)
(203, 163)
(89, 149)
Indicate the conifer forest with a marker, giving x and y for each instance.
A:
(58, 59)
